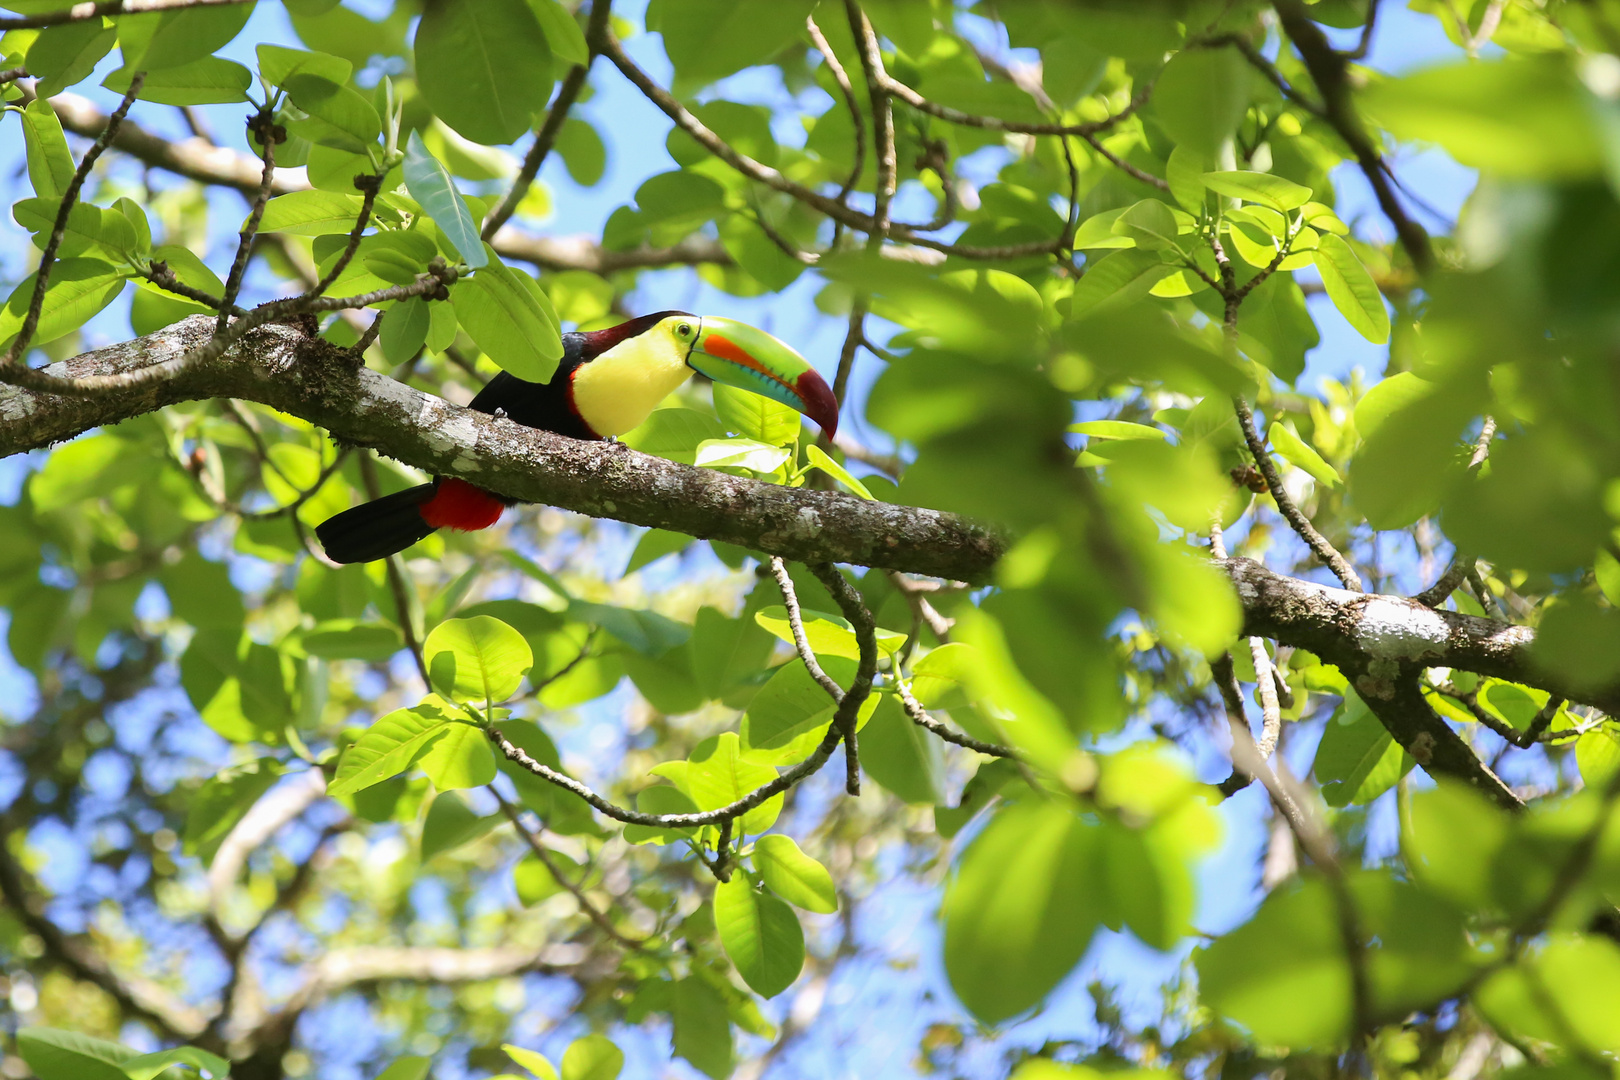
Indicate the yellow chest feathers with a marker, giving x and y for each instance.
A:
(619, 389)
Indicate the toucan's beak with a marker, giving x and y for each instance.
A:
(739, 355)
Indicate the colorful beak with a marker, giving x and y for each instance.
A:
(750, 359)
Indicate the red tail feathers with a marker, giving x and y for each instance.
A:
(378, 529)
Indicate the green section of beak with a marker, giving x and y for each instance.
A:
(750, 359)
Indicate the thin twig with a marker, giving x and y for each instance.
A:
(70, 197)
(263, 125)
(841, 77)
(758, 796)
(790, 599)
(995, 123)
(866, 45)
(920, 717)
(541, 852)
(1266, 687)
(1330, 70)
(1285, 504)
(369, 187)
(854, 608)
(567, 94)
(1461, 564)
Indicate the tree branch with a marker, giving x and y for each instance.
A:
(84, 12)
(1330, 71)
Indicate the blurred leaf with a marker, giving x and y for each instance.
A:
(222, 801)
(451, 823)
(902, 756)
(1301, 455)
(1201, 96)
(1525, 117)
(592, 1057)
(1021, 908)
(702, 1027)
(68, 1055)
(1357, 759)
(709, 39)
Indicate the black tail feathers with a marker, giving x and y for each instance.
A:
(377, 529)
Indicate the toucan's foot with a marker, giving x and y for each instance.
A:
(499, 413)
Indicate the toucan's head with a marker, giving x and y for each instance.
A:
(628, 369)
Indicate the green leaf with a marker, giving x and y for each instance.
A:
(562, 32)
(647, 632)
(459, 758)
(278, 64)
(1116, 280)
(50, 163)
(817, 457)
(581, 147)
(674, 434)
(150, 1066)
(1201, 96)
(901, 755)
(67, 1055)
(754, 416)
(1263, 188)
(1451, 840)
(407, 1068)
(1150, 224)
(709, 39)
(337, 116)
(795, 876)
(176, 38)
(717, 775)
(726, 652)
(1564, 993)
(760, 934)
(477, 659)
(405, 330)
(1519, 117)
(64, 55)
(702, 1027)
(1284, 976)
(38, 216)
(484, 66)
(1301, 455)
(537, 1063)
(430, 185)
(78, 289)
(389, 746)
(1021, 908)
(451, 823)
(208, 81)
(310, 213)
(660, 799)
(1117, 429)
(654, 545)
(222, 802)
(593, 1057)
(1352, 289)
(1097, 232)
(351, 639)
(504, 311)
(1357, 759)
(741, 454)
(828, 635)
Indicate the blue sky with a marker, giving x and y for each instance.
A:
(899, 979)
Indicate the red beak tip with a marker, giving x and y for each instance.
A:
(819, 403)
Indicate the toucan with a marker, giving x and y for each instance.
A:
(607, 383)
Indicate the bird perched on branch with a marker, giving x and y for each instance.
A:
(607, 383)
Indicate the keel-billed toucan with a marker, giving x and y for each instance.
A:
(607, 382)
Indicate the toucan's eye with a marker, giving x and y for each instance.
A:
(685, 329)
